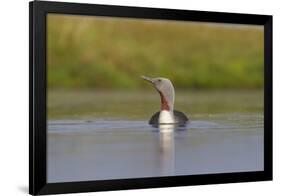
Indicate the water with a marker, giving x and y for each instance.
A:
(99, 149)
(98, 135)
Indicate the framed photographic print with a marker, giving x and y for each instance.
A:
(131, 97)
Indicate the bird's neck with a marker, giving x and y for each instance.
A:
(167, 101)
(167, 109)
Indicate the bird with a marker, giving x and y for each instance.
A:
(167, 114)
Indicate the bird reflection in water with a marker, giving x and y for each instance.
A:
(167, 149)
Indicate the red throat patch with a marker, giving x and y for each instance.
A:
(164, 103)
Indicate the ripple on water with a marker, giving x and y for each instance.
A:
(225, 121)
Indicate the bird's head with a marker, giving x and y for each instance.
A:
(166, 90)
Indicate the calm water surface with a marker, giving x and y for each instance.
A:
(108, 147)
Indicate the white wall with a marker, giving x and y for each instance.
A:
(14, 96)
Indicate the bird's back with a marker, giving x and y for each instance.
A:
(180, 118)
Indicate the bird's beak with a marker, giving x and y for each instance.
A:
(147, 79)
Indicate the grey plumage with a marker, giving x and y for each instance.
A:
(180, 118)
(167, 115)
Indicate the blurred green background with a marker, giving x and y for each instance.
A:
(95, 63)
(109, 53)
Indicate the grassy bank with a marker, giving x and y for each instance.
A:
(199, 104)
(91, 52)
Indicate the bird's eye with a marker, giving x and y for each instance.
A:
(159, 80)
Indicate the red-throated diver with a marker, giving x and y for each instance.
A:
(167, 114)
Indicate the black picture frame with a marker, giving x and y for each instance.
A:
(37, 97)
